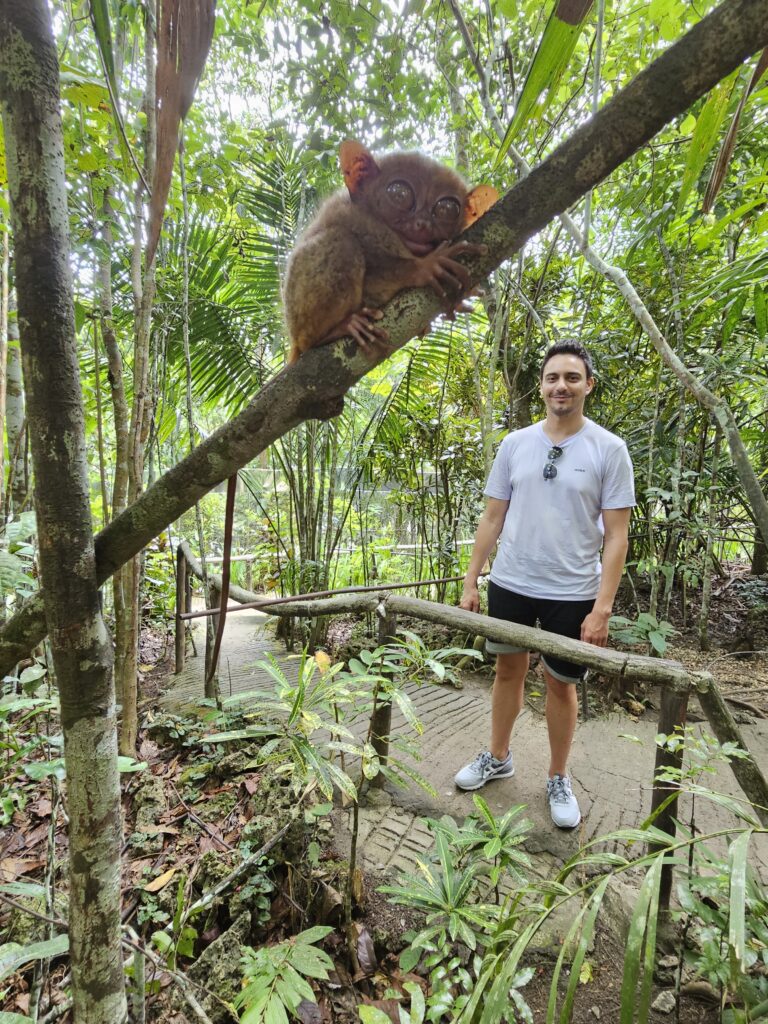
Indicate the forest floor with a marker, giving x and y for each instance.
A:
(197, 808)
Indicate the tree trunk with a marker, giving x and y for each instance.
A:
(759, 557)
(127, 648)
(14, 413)
(81, 647)
(5, 292)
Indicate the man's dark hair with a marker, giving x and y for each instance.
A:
(569, 348)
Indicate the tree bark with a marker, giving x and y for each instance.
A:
(14, 415)
(81, 646)
(314, 387)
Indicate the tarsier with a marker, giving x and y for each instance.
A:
(390, 229)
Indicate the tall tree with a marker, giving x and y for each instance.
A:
(81, 647)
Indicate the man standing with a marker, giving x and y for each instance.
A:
(558, 492)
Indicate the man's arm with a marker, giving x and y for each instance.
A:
(488, 531)
(594, 629)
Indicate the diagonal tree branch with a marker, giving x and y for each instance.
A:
(314, 388)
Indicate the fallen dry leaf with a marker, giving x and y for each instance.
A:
(161, 881)
(12, 867)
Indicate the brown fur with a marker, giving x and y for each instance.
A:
(362, 248)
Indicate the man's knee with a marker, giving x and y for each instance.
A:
(512, 668)
(564, 693)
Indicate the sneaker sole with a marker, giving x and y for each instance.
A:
(567, 828)
(491, 778)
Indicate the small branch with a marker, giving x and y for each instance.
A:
(61, 925)
(199, 820)
(240, 870)
(184, 984)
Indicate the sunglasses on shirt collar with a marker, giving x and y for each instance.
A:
(550, 469)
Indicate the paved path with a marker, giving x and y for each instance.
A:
(248, 639)
(611, 762)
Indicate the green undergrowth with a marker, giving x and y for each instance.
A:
(233, 877)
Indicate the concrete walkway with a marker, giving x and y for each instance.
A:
(611, 763)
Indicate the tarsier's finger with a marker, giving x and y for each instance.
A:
(360, 339)
(458, 271)
(467, 248)
(452, 281)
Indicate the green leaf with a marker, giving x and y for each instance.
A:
(633, 959)
(130, 764)
(587, 931)
(275, 1011)
(373, 1015)
(29, 675)
(39, 770)
(315, 934)
(12, 1018)
(737, 861)
(657, 641)
(552, 57)
(163, 941)
(409, 957)
(418, 1006)
(705, 136)
(13, 956)
(761, 313)
(734, 315)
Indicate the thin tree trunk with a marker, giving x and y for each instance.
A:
(5, 291)
(143, 294)
(706, 587)
(14, 412)
(82, 651)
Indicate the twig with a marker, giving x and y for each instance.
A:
(200, 821)
(744, 704)
(33, 913)
(241, 869)
(56, 1012)
(184, 984)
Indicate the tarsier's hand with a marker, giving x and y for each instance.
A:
(363, 328)
(443, 274)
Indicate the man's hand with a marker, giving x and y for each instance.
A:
(594, 629)
(470, 598)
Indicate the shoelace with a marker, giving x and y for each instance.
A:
(483, 760)
(559, 791)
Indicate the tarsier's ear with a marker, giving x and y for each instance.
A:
(357, 165)
(478, 202)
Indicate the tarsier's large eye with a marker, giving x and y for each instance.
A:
(401, 195)
(446, 209)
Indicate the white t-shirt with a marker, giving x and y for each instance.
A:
(553, 532)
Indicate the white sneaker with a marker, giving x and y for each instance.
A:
(484, 768)
(563, 805)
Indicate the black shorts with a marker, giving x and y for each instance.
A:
(562, 617)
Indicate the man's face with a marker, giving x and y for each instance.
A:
(565, 385)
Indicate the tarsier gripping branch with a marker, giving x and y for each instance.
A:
(392, 228)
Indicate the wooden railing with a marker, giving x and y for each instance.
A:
(676, 680)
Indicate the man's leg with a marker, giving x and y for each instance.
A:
(562, 676)
(507, 699)
(561, 712)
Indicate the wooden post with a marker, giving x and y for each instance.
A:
(746, 770)
(381, 719)
(211, 625)
(181, 597)
(673, 713)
